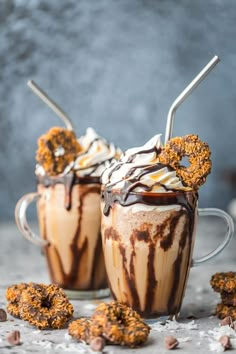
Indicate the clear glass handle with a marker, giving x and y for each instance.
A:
(229, 234)
(21, 221)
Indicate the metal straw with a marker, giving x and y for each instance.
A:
(53, 105)
(186, 92)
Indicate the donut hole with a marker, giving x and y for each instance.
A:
(185, 161)
(46, 303)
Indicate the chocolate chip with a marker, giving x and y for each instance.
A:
(225, 342)
(227, 321)
(97, 344)
(14, 338)
(170, 342)
(3, 315)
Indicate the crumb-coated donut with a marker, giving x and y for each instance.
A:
(224, 282)
(223, 311)
(228, 299)
(13, 309)
(13, 294)
(119, 324)
(198, 154)
(57, 149)
(45, 306)
(80, 330)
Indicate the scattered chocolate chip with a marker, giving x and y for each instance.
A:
(3, 315)
(225, 342)
(227, 321)
(170, 342)
(97, 344)
(14, 338)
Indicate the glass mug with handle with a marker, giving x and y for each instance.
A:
(69, 223)
(68, 206)
(149, 217)
(148, 241)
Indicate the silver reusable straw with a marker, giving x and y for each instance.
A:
(50, 103)
(186, 92)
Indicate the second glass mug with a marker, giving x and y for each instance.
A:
(69, 219)
(148, 241)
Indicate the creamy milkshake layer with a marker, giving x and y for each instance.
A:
(68, 177)
(74, 255)
(148, 223)
(141, 248)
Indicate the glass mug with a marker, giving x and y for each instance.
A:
(148, 241)
(69, 219)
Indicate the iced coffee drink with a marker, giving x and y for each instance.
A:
(68, 203)
(148, 227)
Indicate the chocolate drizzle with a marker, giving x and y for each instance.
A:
(78, 250)
(165, 234)
(186, 199)
(68, 180)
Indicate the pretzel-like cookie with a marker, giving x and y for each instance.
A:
(57, 149)
(223, 311)
(224, 282)
(198, 154)
(45, 306)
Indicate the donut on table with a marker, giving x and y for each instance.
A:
(224, 282)
(115, 322)
(45, 306)
(13, 294)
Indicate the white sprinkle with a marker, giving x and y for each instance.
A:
(90, 306)
(67, 336)
(203, 334)
(184, 339)
(48, 346)
(216, 347)
(233, 342)
(217, 332)
(43, 343)
(37, 331)
(173, 326)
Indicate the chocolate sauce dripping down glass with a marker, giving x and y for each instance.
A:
(68, 181)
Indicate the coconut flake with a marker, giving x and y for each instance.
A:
(173, 326)
(217, 332)
(184, 339)
(215, 346)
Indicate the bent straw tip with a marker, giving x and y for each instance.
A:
(216, 58)
(30, 83)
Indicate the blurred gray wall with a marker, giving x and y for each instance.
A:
(115, 65)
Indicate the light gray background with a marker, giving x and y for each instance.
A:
(115, 65)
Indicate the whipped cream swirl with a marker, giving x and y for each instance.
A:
(139, 170)
(96, 155)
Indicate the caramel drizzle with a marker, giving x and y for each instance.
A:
(97, 164)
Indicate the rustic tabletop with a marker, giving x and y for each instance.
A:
(197, 330)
